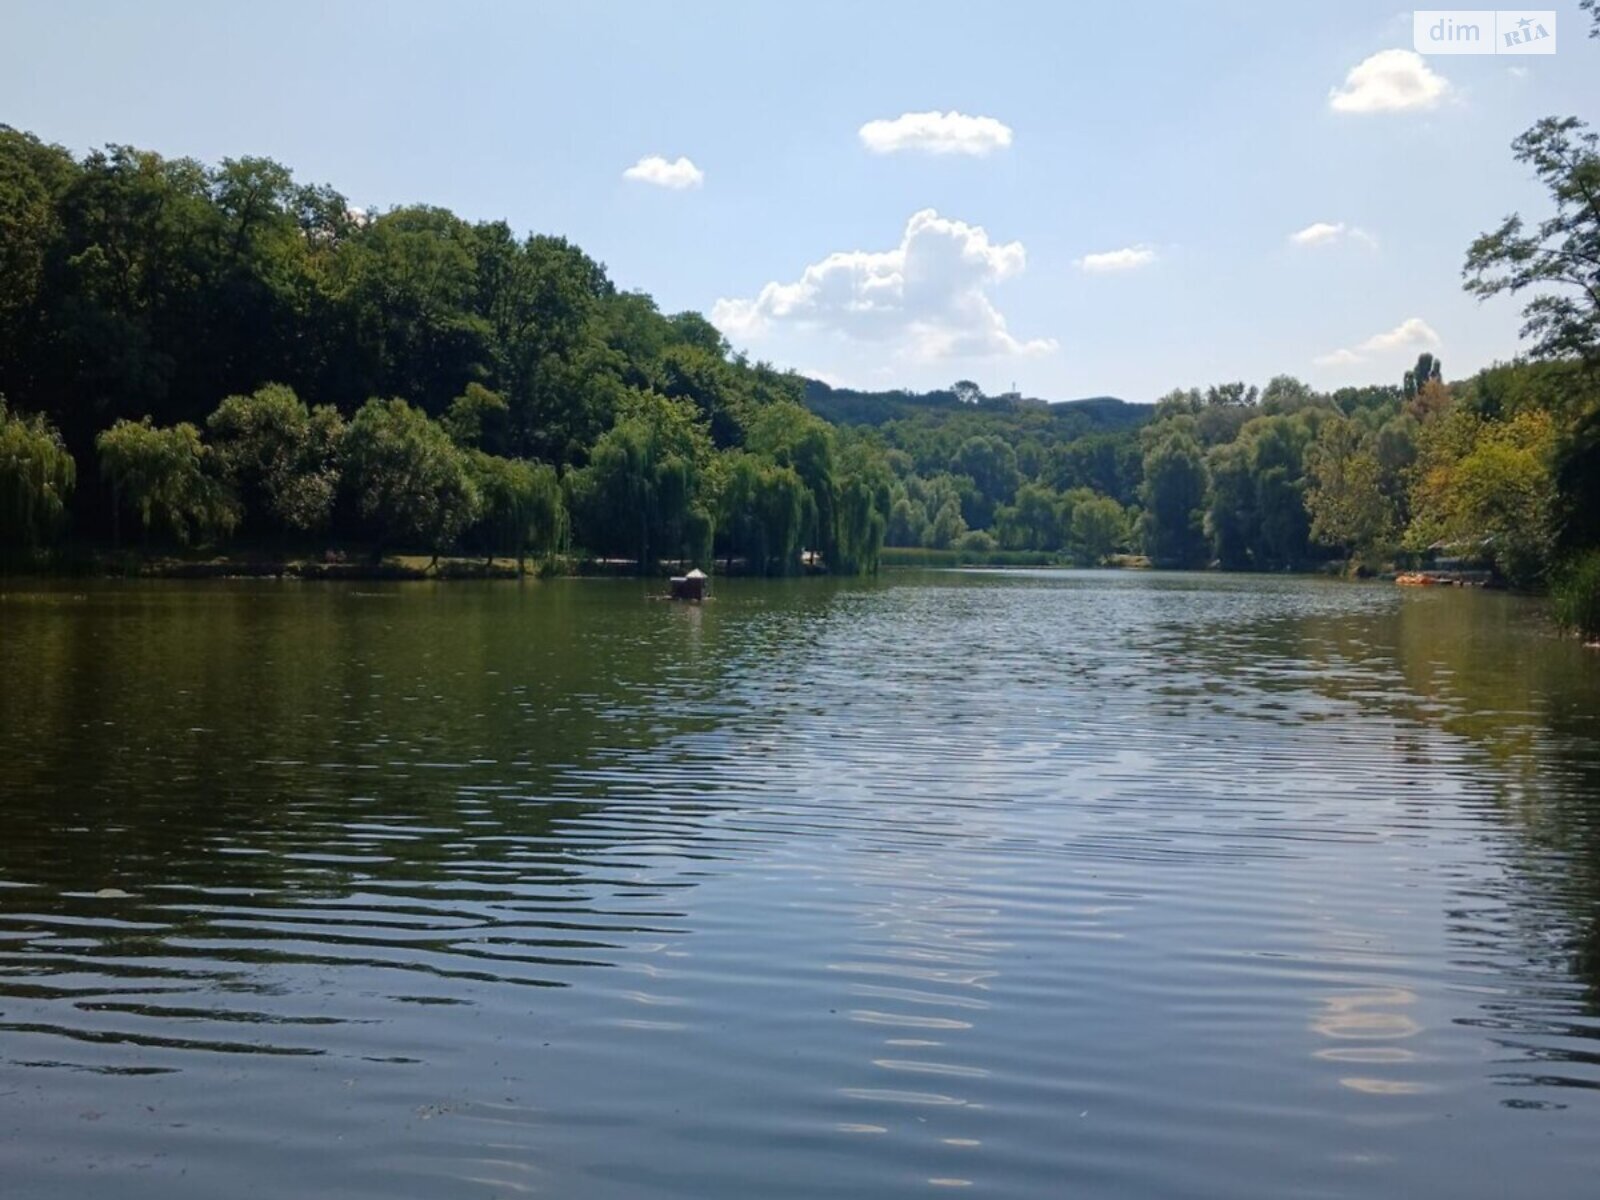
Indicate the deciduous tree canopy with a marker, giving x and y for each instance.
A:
(143, 299)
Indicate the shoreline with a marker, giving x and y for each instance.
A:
(91, 562)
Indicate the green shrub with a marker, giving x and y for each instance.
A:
(1576, 594)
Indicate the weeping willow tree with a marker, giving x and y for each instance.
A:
(763, 512)
(864, 500)
(413, 485)
(647, 490)
(37, 475)
(522, 508)
(165, 476)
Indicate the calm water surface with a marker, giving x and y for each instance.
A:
(1101, 885)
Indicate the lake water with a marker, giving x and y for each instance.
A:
(1027, 884)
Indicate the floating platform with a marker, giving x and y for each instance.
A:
(691, 587)
(1443, 579)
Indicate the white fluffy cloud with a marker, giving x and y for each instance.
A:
(1337, 358)
(928, 297)
(1325, 233)
(654, 169)
(1410, 333)
(1389, 81)
(1129, 258)
(1317, 234)
(1413, 331)
(936, 133)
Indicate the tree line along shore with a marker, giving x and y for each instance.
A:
(222, 364)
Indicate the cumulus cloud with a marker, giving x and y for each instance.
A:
(1337, 358)
(936, 133)
(1413, 331)
(928, 297)
(1410, 333)
(678, 174)
(1324, 233)
(1129, 258)
(1389, 81)
(1317, 234)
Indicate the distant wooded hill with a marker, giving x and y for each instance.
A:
(1093, 414)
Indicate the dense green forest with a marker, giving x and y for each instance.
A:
(193, 356)
(226, 352)
(1500, 468)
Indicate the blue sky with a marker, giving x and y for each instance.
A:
(1181, 143)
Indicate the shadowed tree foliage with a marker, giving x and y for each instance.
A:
(411, 483)
(479, 419)
(865, 487)
(167, 478)
(1428, 370)
(1174, 495)
(991, 464)
(280, 458)
(646, 492)
(1576, 594)
(795, 438)
(166, 293)
(762, 511)
(37, 476)
(521, 510)
(1036, 521)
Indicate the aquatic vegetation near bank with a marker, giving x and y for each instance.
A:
(1575, 594)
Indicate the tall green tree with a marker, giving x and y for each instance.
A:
(281, 459)
(1174, 494)
(1286, 394)
(412, 485)
(407, 284)
(1490, 486)
(168, 478)
(479, 419)
(522, 509)
(37, 476)
(1559, 258)
(33, 178)
(1345, 497)
(1035, 522)
(1276, 446)
(1231, 520)
(763, 511)
(946, 526)
(793, 437)
(865, 489)
(991, 464)
(1099, 527)
(1428, 370)
(646, 492)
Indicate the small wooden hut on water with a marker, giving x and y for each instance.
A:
(691, 587)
